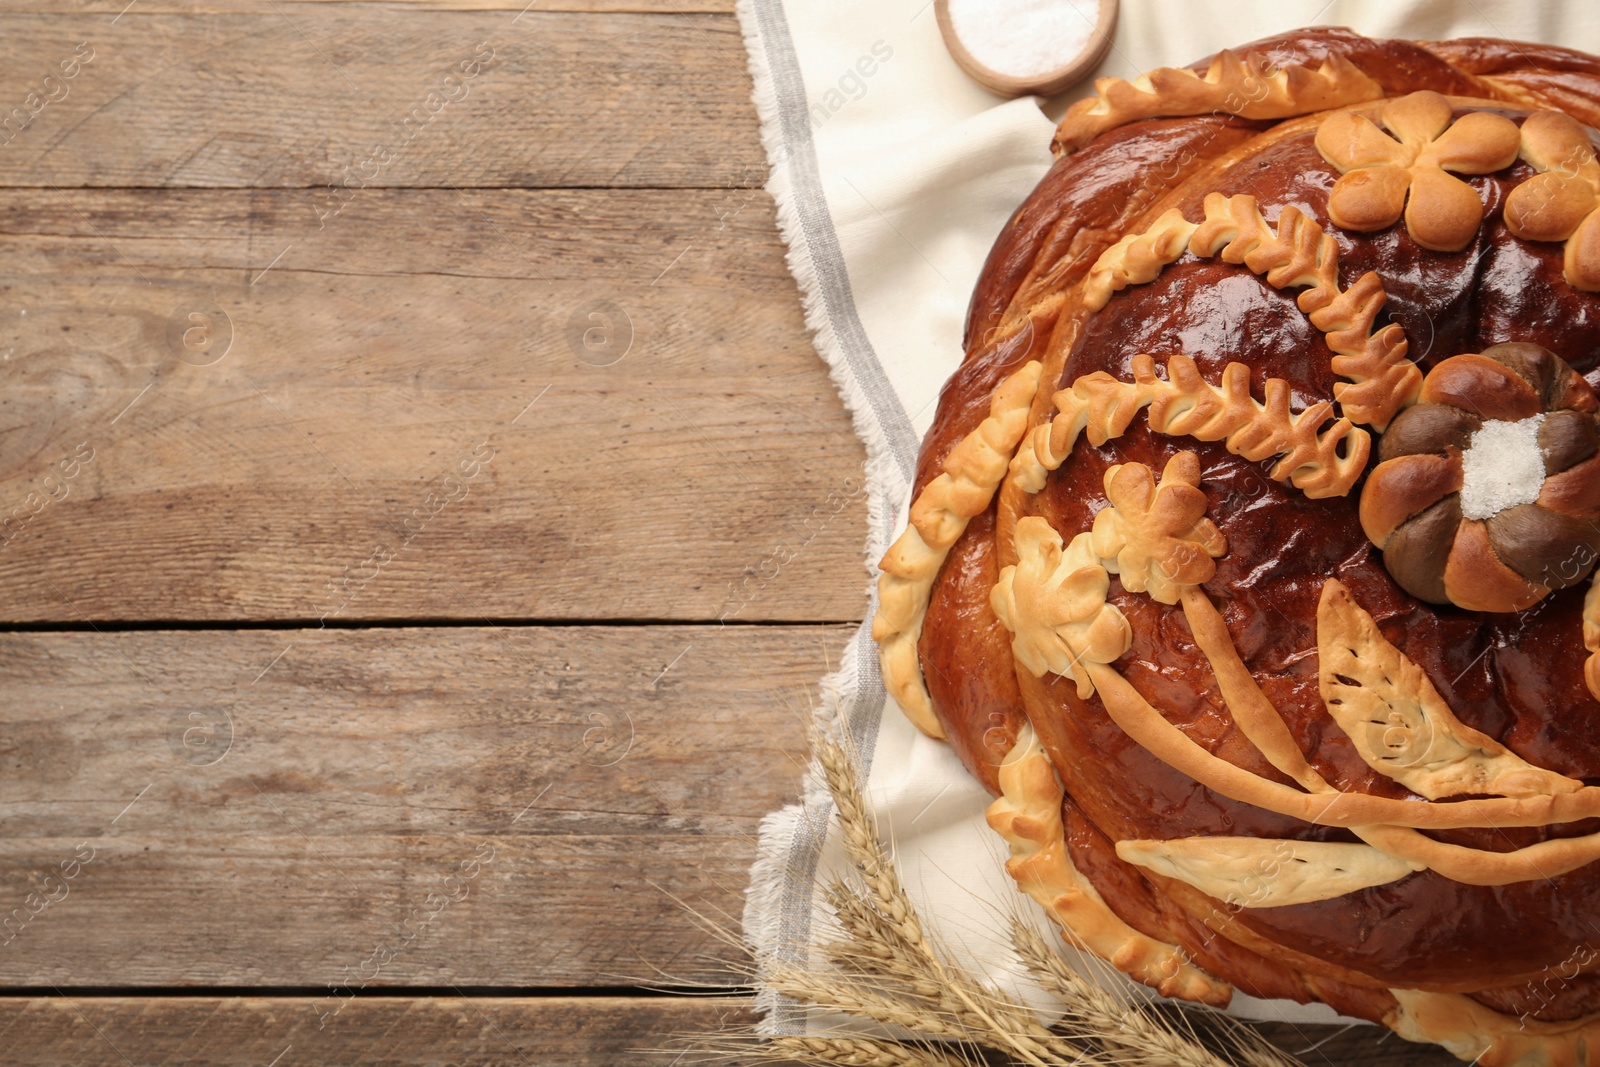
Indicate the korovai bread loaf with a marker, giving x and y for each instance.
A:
(1251, 557)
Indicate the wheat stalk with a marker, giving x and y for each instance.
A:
(1140, 1038)
(861, 842)
(883, 967)
(861, 1052)
(840, 992)
(876, 946)
(992, 1020)
(854, 1051)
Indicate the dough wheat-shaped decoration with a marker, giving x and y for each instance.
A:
(1319, 699)
(1321, 461)
(1382, 380)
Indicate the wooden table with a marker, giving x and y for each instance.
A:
(405, 410)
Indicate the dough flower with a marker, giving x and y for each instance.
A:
(1155, 537)
(1562, 201)
(1404, 170)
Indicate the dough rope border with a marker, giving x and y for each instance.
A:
(1027, 815)
(1233, 84)
(939, 516)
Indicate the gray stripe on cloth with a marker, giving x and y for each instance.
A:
(861, 696)
(862, 717)
(811, 208)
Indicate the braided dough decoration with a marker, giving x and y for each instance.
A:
(940, 513)
(1236, 85)
(1300, 253)
(1028, 815)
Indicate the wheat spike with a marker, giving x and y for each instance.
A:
(861, 1052)
(988, 1019)
(882, 966)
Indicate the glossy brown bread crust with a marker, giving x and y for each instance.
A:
(1517, 678)
(1083, 205)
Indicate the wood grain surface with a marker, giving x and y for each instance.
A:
(274, 98)
(467, 1031)
(517, 806)
(450, 1031)
(646, 429)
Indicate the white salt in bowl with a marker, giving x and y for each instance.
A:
(1018, 47)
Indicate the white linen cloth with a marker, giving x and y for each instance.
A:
(893, 173)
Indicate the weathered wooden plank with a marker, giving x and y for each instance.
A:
(418, 806)
(458, 1032)
(345, 430)
(465, 1031)
(330, 94)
